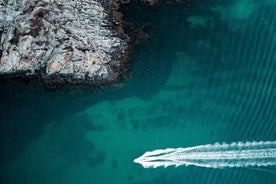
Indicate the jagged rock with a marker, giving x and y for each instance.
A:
(60, 38)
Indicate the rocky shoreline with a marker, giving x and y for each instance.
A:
(62, 41)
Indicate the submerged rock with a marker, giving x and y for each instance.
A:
(60, 39)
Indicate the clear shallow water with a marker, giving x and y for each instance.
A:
(207, 75)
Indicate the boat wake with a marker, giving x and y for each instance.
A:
(213, 155)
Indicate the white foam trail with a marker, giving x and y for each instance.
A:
(213, 155)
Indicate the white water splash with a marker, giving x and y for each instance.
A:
(213, 155)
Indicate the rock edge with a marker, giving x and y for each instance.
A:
(61, 40)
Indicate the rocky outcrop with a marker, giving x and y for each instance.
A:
(59, 39)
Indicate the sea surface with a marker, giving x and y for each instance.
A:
(206, 74)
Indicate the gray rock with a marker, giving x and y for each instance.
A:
(60, 38)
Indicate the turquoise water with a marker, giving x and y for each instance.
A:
(206, 75)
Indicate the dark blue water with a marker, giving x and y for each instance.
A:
(205, 75)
